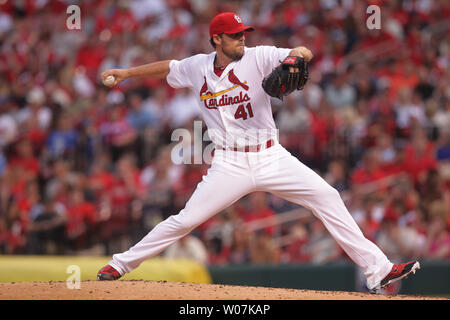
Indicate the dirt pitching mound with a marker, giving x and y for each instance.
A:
(160, 290)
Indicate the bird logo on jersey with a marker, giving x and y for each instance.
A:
(234, 80)
(210, 98)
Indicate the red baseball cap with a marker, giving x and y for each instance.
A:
(227, 22)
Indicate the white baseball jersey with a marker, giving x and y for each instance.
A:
(234, 106)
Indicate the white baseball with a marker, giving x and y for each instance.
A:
(109, 81)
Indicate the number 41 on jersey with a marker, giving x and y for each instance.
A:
(244, 112)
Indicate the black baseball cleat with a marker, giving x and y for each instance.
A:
(108, 273)
(398, 272)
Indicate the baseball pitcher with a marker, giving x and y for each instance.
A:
(233, 85)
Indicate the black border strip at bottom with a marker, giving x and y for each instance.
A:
(219, 309)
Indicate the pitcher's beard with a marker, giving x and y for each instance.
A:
(234, 55)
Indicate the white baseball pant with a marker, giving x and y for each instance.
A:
(231, 176)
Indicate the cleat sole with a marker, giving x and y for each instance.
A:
(413, 270)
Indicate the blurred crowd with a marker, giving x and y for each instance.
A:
(87, 170)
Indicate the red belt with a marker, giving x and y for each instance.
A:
(257, 148)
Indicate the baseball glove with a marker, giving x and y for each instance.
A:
(281, 81)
